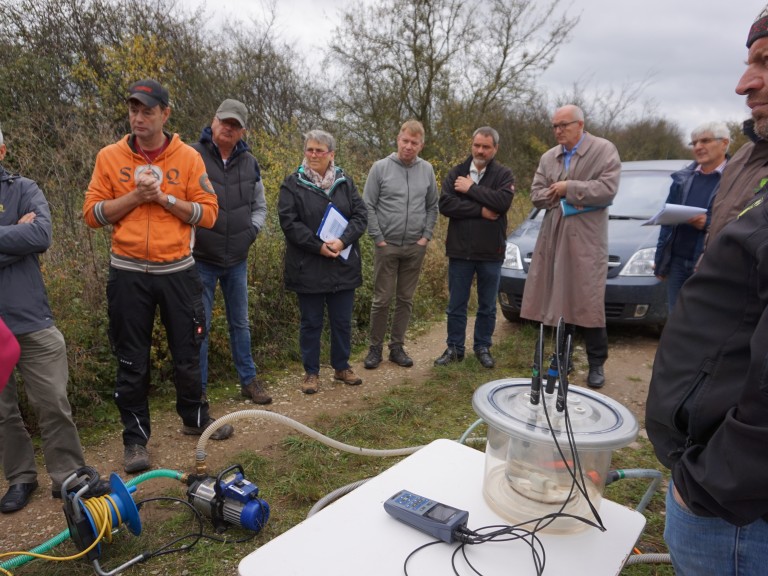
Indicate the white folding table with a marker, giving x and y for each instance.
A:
(354, 536)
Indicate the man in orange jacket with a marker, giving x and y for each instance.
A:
(153, 190)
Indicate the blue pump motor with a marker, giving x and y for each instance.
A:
(229, 499)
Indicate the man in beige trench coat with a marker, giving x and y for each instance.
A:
(570, 261)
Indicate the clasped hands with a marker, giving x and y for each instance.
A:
(148, 188)
(558, 190)
(332, 248)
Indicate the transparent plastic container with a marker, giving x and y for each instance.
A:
(527, 472)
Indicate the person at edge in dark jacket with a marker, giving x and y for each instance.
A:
(25, 233)
(680, 246)
(323, 273)
(476, 197)
(221, 252)
(707, 407)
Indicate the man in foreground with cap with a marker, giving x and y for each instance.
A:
(707, 408)
(747, 172)
(153, 190)
(221, 252)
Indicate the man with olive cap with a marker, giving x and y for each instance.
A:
(152, 189)
(221, 252)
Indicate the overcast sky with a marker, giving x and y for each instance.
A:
(692, 52)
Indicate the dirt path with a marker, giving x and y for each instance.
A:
(628, 372)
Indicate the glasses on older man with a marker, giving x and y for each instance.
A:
(563, 125)
(704, 141)
(316, 152)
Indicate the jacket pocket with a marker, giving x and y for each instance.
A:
(764, 376)
(199, 324)
(684, 417)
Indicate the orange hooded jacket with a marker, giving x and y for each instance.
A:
(151, 239)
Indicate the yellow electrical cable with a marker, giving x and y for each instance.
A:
(100, 511)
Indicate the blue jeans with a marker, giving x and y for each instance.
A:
(680, 269)
(234, 287)
(312, 309)
(702, 546)
(460, 275)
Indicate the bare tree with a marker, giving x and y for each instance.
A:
(627, 118)
(427, 58)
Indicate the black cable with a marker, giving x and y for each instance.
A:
(506, 533)
(166, 548)
(162, 550)
(576, 465)
(510, 534)
(544, 521)
(199, 535)
(225, 540)
(428, 544)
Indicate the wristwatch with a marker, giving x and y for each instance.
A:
(171, 201)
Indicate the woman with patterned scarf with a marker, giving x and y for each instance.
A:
(324, 272)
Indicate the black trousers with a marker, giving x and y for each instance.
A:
(595, 341)
(132, 299)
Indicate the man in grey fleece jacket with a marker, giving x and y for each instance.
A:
(401, 195)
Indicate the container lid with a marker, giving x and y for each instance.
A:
(597, 421)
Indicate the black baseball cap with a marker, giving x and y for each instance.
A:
(149, 92)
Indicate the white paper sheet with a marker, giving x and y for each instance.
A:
(332, 227)
(672, 214)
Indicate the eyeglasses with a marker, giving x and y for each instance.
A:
(563, 125)
(704, 141)
(316, 152)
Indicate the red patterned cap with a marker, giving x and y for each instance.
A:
(759, 27)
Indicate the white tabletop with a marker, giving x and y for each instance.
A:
(354, 536)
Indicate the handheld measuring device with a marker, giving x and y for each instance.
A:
(431, 517)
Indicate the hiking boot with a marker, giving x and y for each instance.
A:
(399, 357)
(374, 358)
(222, 433)
(311, 383)
(450, 355)
(135, 458)
(347, 376)
(255, 391)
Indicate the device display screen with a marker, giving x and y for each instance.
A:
(441, 513)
